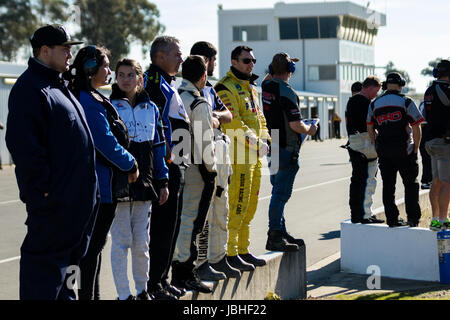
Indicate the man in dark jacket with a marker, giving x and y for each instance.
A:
(51, 145)
(437, 106)
(362, 153)
(159, 82)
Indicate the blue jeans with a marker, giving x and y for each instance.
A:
(282, 183)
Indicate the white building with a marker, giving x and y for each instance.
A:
(9, 72)
(333, 40)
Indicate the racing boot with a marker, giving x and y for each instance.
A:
(207, 273)
(223, 266)
(249, 258)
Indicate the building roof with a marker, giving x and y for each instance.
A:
(13, 70)
(312, 9)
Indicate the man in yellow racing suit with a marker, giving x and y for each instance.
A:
(249, 141)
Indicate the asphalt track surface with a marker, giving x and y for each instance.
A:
(318, 205)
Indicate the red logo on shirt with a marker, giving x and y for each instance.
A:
(394, 116)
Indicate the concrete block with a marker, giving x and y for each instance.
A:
(406, 253)
(284, 274)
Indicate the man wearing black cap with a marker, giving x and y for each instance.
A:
(281, 107)
(393, 124)
(51, 145)
(437, 106)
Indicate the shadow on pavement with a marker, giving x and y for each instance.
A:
(331, 235)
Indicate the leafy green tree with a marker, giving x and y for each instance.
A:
(116, 24)
(428, 71)
(16, 26)
(19, 19)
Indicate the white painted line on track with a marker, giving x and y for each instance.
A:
(310, 187)
(261, 198)
(9, 259)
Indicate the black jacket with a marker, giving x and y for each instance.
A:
(437, 112)
(51, 144)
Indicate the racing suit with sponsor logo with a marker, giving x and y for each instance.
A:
(247, 132)
(199, 177)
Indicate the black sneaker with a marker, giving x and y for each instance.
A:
(399, 223)
(237, 263)
(372, 219)
(224, 267)
(413, 224)
(425, 186)
(251, 259)
(177, 292)
(160, 293)
(207, 273)
(192, 283)
(143, 296)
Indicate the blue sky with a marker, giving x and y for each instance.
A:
(416, 32)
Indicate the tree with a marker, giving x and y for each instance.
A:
(19, 19)
(428, 71)
(116, 24)
(391, 68)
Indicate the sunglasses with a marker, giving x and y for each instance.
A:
(248, 60)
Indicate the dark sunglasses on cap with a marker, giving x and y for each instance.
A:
(248, 60)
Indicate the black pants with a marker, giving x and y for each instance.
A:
(164, 228)
(337, 130)
(358, 185)
(91, 263)
(49, 256)
(409, 170)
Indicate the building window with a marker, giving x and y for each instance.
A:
(329, 27)
(356, 30)
(288, 28)
(309, 28)
(250, 33)
(320, 73)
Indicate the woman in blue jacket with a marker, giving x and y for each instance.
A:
(89, 72)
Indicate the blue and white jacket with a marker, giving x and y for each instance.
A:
(158, 85)
(147, 142)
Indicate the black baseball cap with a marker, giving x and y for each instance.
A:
(51, 35)
(395, 78)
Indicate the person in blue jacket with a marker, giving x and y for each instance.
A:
(90, 71)
(52, 147)
(130, 228)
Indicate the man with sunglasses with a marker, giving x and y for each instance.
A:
(52, 147)
(249, 141)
